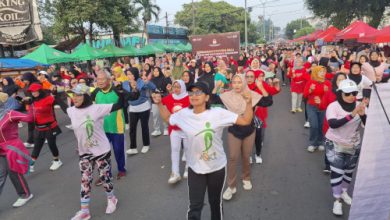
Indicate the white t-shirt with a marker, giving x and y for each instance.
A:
(348, 134)
(87, 124)
(205, 152)
(365, 83)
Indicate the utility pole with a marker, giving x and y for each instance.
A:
(246, 28)
(193, 17)
(167, 24)
(264, 18)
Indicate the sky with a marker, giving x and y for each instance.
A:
(280, 11)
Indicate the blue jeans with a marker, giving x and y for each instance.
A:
(118, 144)
(316, 119)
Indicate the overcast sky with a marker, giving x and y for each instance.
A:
(280, 11)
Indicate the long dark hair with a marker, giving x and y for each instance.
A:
(86, 102)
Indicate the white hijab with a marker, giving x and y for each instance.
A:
(183, 90)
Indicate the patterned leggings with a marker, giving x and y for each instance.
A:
(86, 164)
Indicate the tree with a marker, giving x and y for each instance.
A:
(294, 26)
(341, 13)
(304, 31)
(213, 17)
(149, 10)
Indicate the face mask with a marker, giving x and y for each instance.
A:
(262, 59)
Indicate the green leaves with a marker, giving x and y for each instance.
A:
(295, 26)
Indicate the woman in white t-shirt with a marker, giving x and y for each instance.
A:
(343, 140)
(363, 83)
(206, 157)
(93, 146)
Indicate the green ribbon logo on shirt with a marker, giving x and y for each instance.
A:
(89, 127)
(208, 134)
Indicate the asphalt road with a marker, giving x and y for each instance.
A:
(288, 185)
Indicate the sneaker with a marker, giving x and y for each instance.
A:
(127, 127)
(120, 175)
(145, 149)
(293, 111)
(32, 170)
(98, 182)
(156, 133)
(20, 125)
(337, 208)
(46, 142)
(55, 165)
(346, 198)
(132, 151)
(326, 170)
(228, 194)
(111, 205)
(80, 215)
(258, 159)
(185, 174)
(165, 132)
(250, 160)
(57, 107)
(246, 184)
(299, 110)
(183, 158)
(69, 127)
(174, 178)
(22, 201)
(321, 148)
(28, 145)
(311, 149)
(307, 124)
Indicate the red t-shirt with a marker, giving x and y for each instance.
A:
(319, 91)
(174, 105)
(299, 81)
(44, 112)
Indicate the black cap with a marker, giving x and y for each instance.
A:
(200, 85)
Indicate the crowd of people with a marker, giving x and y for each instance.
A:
(191, 100)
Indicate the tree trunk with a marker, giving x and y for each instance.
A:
(143, 33)
(117, 37)
(90, 33)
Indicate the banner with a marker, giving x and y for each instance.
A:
(218, 45)
(19, 22)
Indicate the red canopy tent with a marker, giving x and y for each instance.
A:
(329, 34)
(314, 36)
(379, 36)
(354, 31)
(302, 38)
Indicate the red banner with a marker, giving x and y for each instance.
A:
(216, 45)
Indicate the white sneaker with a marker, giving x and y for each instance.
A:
(20, 125)
(111, 205)
(22, 201)
(321, 148)
(132, 151)
(228, 194)
(246, 184)
(174, 178)
(46, 142)
(32, 170)
(80, 215)
(57, 107)
(311, 149)
(250, 160)
(69, 126)
(258, 159)
(145, 149)
(337, 208)
(185, 174)
(28, 145)
(299, 110)
(346, 198)
(55, 165)
(165, 132)
(156, 133)
(127, 127)
(307, 124)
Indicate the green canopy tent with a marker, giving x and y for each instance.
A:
(134, 51)
(113, 51)
(86, 52)
(150, 49)
(47, 55)
(188, 47)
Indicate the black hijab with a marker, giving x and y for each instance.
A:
(348, 107)
(87, 101)
(135, 72)
(11, 88)
(28, 76)
(208, 77)
(334, 81)
(374, 63)
(357, 78)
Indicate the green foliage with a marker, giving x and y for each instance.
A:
(149, 10)
(341, 13)
(295, 25)
(304, 31)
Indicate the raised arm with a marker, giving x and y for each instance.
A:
(164, 113)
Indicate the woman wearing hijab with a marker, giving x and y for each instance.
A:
(14, 157)
(335, 62)
(9, 86)
(208, 76)
(139, 109)
(46, 126)
(187, 78)
(177, 69)
(314, 90)
(374, 69)
(343, 140)
(240, 138)
(162, 83)
(118, 74)
(363, 82)
(255, 67)
(326, 100)
(174, 102)
(299, 76)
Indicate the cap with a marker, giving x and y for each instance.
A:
(42, 72)
(3, 97)
(34, 87)
(347, 86)
(200, 85)
(80, 89)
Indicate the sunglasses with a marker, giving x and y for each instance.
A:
(196, 93)
(351, 93)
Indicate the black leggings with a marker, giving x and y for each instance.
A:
(144, 117)
(39, 140)
(30, 132)
(259, 140)
(197, 186)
